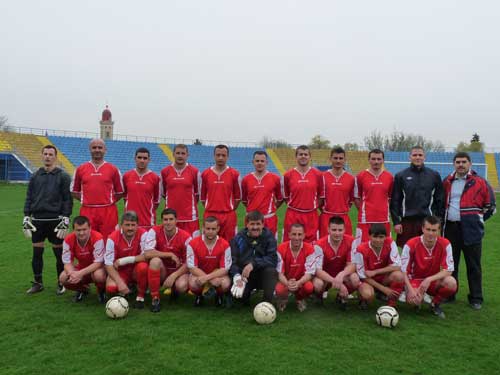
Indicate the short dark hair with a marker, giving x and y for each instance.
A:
(337, 150)
(417, 147)
(221, 146)
(181, 145)
(376, 151)
(297, 225)
(129, 216)
(142, 150)
(255, 216)
(51, 147)
(377, 229)
(80, 220)
(169, 211)
(211, 219)
(302, 147)
(336, 220)
(432, 220)
(461, 154)
(259, 152)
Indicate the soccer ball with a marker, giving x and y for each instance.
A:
(264, 313)
(387, 316)
(117, 307)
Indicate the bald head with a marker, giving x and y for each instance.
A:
(97, 149)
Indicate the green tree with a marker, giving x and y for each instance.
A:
(319, 142)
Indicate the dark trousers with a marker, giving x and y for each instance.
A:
(265, 279)
(472, 256)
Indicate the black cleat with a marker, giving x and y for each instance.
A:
(155, 305)
(101, 297)
(436, 310)
(219, 300)
(476, 306)
(198, 301)
(80, 296)
(341, 302)
(363, 305)
(60, 289)
(139, 304)
(36, 287)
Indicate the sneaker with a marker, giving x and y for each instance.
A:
(155, 305)
(35, 288)
(302, 305)
(60, 289)
(427, 299)
(476, 306)
(219, 301)
(80, 296)
(198, 301)
(363, 305)
(101, 297)
(436, 310)
(139, 304)
(381, 296)
(402, 297)
(281, 305)
(341, 302)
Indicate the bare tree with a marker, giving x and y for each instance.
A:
(319, 142)
(267, 142)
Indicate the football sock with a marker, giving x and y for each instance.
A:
(154, 279)
(111, 289)
(443, 293)
(59, 263)
(141, 272)
(37, 263)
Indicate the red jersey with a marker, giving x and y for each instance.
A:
(331, 261)
(420, 262)
(97, 185)
(91, 252)
(367, 259)
(181, 191)
(220, 192)
(338, 192)
(261, 194)
(156, 239)
(302, 191)
(118, 247)
(295, 267)
(374, 192)
(142, 195)
(208, 260)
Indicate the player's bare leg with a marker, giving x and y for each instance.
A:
(99, 279)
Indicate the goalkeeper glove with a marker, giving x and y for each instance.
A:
(237, 291)
(28, 227)
(62, 227)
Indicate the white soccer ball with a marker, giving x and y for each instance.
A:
(387, 316)
(117, 307)
(264, 313)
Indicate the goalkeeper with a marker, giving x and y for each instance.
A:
(46, 214)
(254, 259)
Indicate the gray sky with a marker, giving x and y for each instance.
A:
(239, 70)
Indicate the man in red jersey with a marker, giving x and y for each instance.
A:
(337, 193)
(379, 267)
(166, 252)
(181, 182)
(372, 193)
(209, 261)
(302, 191)
(97, 184)
(142, 189)
(124, 259)
(334, 267)
(86, 246)
(221, 193)
(427, 265)
(297, 263)
(261, 191)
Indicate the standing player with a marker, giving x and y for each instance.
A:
(372, 193)
(209, 261)
(180, 182)
(417, 193)
(166, 252)
(302, 191)
(337, 193)
(335, 268)
(142, 189)
(124, 259)
(379, 267)
(427, 264)
(86, 246)
(261, 191)
(97, 184)
(297, 263)
(47, 210)
(221, 193)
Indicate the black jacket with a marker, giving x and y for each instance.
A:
(417, 192)
(48, 195)
(260, 251)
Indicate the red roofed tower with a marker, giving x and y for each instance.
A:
(106, 124)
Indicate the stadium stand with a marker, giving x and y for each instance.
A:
(492, 170)
(286, 157)
(26, 146)
(167, 151)
(4, 144)
(63, 160)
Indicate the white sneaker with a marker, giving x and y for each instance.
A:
(427, 298)
(402, 297)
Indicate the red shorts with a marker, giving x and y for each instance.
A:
(432, 290)
(309, 220)
(412, 227)
(102, 219)
(87, 279)
(305, 291)
(324, 218)
(228, 222)
(362, 230)
(192, 227)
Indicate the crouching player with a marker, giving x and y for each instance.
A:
(296, 267)
(427, 264)
(378, 265)
(124, 259)
(166, 251)
(87, 247)
(334, 267)
(209, 261)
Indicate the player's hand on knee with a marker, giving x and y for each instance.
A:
(62, 228)
(28, 227)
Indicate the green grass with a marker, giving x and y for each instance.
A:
(46, 334)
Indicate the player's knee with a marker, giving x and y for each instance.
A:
(281, 291)
(319, 285)
(181, 285)
(308, 288)
(450, 282)
(99, 275)
(397, 277)
(353, 278)
(225, 283)
(366, 292)
(63, 277)
(155, 263)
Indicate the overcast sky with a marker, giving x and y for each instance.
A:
(241, 70)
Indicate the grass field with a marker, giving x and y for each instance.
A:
(47, 334)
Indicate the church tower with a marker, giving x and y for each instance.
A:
(106, 124)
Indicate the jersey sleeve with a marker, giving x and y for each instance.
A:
(157, 190)
(280, 264)
(323, 187)
(319, 256)
(197, 185)
(150, 241)
(278, 192)
(203, 187)
(191, 258)
(143, 242)
(98, 252)
(244, 190)
(67, 255)
(236, 186)
(285, 186)
(226, 260)
(358, 189)
(405, 258)
(109, 255)
(76, 182)
(359, 261)
(447, 261)
(117, 182)
(395, 258)
(319, 184)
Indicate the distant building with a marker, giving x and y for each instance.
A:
(106, 124)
